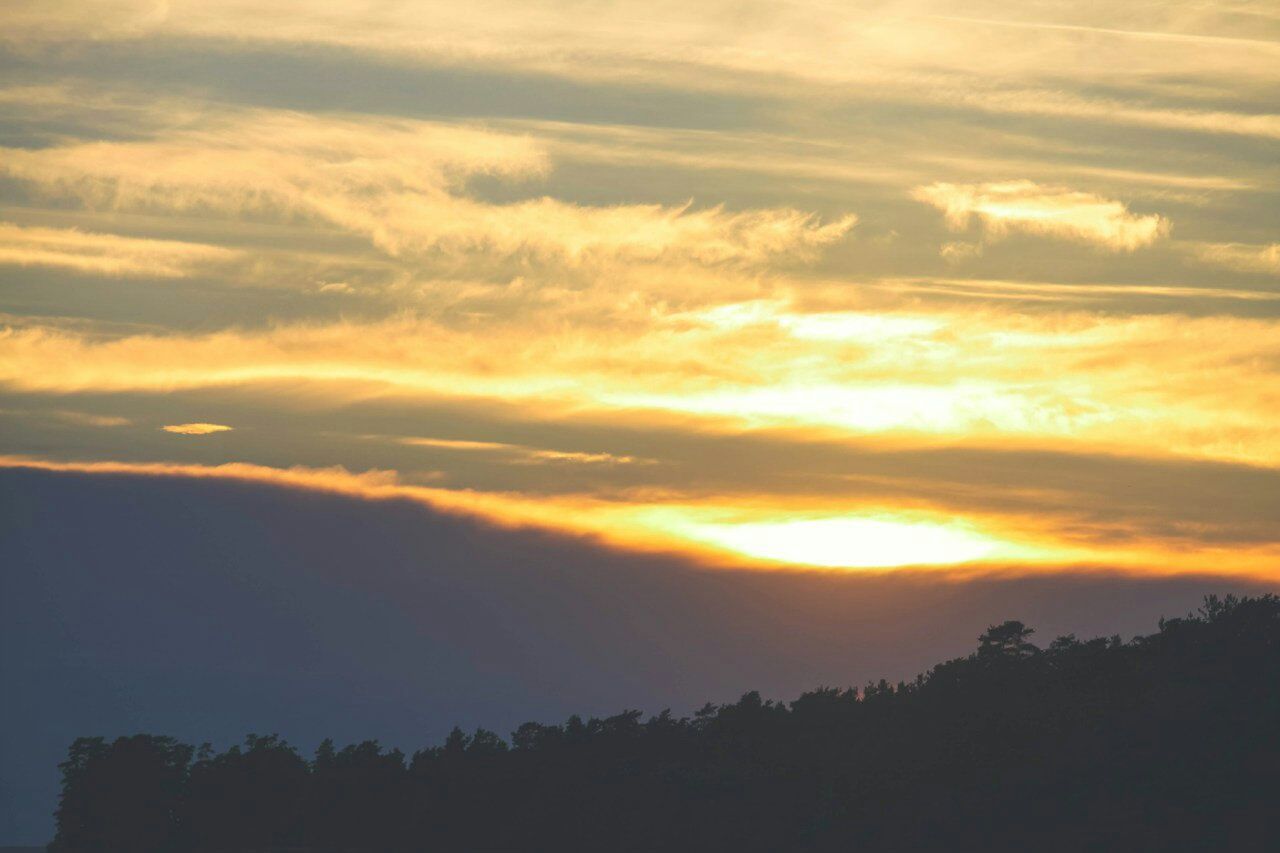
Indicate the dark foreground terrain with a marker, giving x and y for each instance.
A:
(1168, 742)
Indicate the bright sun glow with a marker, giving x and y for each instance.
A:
(844, 542)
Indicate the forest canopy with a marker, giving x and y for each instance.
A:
(1168, 741)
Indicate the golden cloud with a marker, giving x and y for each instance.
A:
(979, 54)
(399, 184)
(1202, 386)
(1239, 256)
(522, 453)
(1045, 211)
(449, 266)
(195, 428)
(105, 254)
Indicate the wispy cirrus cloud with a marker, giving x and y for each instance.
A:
(91, 419)
(74, 417)
(402, 185)
(1047, 211)
(106, 254)
(979, 52)
(523, 454)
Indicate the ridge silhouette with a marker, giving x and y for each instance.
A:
(1170, 741)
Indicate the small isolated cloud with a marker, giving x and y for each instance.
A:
(1047, 211)
(338, 287)
(195, 429)
(536, 456)
(960, 251)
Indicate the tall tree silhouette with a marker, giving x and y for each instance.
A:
(122, 797)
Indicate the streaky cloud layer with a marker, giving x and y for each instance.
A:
(866, 286)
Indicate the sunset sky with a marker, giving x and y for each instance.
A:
(662, 339)
(827, 285)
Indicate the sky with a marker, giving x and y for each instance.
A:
(959, 296)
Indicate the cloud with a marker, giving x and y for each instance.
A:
(523, 454)
(721, 534)
(195, 428)
(439, 612)
(89, 419)
(401, 185)
(338, 287)
(105, 254)
(1193, 385)
(1045, 211)
(578, 457)
(1241, 257)
(74, 417)
(911, 51)
(958, 252)
(541, 259)
(1060, 105)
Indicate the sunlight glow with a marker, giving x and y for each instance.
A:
(719, 535)
(841, 542)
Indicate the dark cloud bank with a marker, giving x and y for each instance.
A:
(209, 609)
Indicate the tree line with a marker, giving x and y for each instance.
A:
(1170, 741)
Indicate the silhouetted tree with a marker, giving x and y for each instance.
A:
(121, 797)
(1006, 640)
(357, 798)
(247, 798)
